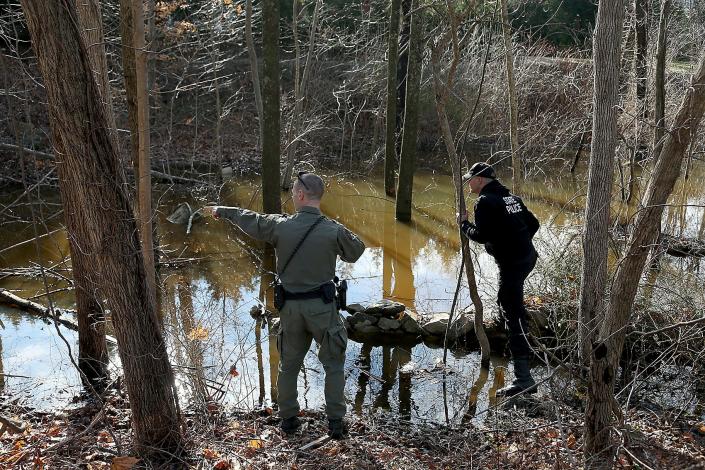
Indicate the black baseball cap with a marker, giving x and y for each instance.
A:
(480, 169)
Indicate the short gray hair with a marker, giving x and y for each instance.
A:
(313, 186)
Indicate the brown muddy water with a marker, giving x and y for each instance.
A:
(213, 278)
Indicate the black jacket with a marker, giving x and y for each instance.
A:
(503, 224)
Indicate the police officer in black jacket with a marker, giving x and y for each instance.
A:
(505, 226)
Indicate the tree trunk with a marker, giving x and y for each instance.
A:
(89, 15)
(640, 72)
(299, 94)
(92, 349)
(252, 54)
(390, 145)
(660, 79)
(271, 135)
(129, 75)
(441, 94)
(402, 66)
(513, 106)
(142, 173)
(606, 57)
(640, 50)
(407, 164)
(599, 450)
(100, 221)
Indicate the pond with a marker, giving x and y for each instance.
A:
(214, 277)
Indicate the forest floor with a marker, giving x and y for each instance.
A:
(532, 433)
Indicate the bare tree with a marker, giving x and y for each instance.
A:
(640, 50)
(407, 163)
(129, 76)
(601, 404)
(271, 135)
(512, 92)
(441, 93)
(252, 54)
(92, 349)
(143, 170)
(390, 147)
(606, 57)
(660, 78)
(402, 68)
(300, 83)
(100, 220)
(89, 14)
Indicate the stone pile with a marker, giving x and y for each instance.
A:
(387, 318)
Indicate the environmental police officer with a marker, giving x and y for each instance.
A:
(506, 227)
(307, 245)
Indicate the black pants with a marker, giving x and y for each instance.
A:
(510, 298)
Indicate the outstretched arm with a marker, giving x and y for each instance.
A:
(258, 226)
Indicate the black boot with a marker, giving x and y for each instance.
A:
(523, 383)
(336, 428)
(290, 425)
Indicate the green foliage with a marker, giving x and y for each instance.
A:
(562, 22)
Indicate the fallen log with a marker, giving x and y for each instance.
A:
(681, 247)
(158, 175)
(11, 300)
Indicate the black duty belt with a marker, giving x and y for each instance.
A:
(319, 293)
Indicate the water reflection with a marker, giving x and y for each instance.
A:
(266, 296)
(398, 258)
(217, 276)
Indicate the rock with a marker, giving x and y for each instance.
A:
(463, 324)
(361, 318)
(385, 308)
(410, 324)
(388, 324)
(364, 329)
(354, 308)
(435, 325)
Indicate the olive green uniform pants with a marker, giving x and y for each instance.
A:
(302, 321)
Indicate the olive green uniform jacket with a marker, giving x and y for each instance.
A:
(304, 320)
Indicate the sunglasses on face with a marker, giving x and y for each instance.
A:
(299, 175)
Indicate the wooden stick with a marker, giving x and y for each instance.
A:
(315, 444)
(10, 424)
